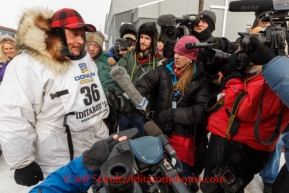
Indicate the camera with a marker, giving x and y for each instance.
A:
(172, 28)
(232, 183)
(131, 168)
(274, 36)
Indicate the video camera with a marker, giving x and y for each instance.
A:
(139, 165)
(274, 36)
(172, 28)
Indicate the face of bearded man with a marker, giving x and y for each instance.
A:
(145, 42)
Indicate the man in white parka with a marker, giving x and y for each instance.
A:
(52, 102)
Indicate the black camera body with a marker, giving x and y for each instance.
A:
(172, 28)
(125, 170)
(274, 37)
(232, 183)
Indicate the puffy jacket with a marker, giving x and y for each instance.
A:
(104, 73)
(72, 178)
(248, 111)
(190, 107)
(2, 70)
(276, 74)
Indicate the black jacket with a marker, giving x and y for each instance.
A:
(190, 107)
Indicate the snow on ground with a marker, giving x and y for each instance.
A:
(8, 185)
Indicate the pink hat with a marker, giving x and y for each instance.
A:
(180, 47)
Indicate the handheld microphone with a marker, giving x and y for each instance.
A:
(250, 5)
(153, 130)
(120, 76)
(192, 45)
(166, 20)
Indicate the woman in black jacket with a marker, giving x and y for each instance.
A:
(181, 90)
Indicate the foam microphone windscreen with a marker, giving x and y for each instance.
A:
(250, 5)
(152, 129)
(166, 20)
(111, 61)
(120, 76)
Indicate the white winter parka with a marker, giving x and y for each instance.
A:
(38, 90)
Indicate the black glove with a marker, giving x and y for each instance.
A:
(231, 66)
(166, 116)
(119, 102)
(28, 176)
(93, 158)
(218, 43)
(259, 54)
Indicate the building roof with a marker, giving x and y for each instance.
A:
(8, 29)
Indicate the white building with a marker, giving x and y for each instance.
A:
(139, 11)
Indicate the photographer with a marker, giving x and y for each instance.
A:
(79, 174)
(126, 42)
(275, 72)
(234, 153)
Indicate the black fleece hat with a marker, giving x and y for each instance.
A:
(210, 17)
(150, 29)
(127, 31)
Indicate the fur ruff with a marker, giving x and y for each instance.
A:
(35, 36)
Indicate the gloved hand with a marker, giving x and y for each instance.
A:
(166, 116)
(119, 102)
(218, 43)
(231, 66)
(259, 54)
(94, 158)
(28, 176)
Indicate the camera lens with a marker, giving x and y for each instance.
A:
(170, 32)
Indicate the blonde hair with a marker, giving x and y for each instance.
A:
(185, 79)
(3, 56)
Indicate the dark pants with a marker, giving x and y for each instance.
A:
(281, 184)
(128, 122)
(201, 143)
(245, 161)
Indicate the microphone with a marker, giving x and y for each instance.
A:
(166, 20)
(120, 76)
(153, 130)
(111, 61)
(192, 45)
(250, 5)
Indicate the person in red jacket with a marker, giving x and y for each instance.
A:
(235, 152)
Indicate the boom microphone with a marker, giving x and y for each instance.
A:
(250, 5)
(166, 20)
(120, 76)
(153, 130)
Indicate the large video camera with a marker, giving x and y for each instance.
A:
(172, 28)
(274, 36)
(139, 165)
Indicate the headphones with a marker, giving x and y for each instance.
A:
(143, 55)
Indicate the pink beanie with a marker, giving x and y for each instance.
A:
(180, 47)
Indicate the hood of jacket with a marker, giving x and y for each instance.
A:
(35, 37)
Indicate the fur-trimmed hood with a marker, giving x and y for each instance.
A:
(35, 37)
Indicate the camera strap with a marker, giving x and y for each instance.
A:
(233, 124)
(276, 132)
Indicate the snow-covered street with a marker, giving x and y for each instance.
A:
(8, 185)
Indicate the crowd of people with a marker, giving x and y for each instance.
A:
(58, 108)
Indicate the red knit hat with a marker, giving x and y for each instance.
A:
(71, 19)
(180, 47)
